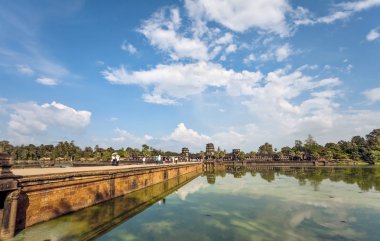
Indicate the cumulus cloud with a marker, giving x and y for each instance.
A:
(27, 119)
(373, 95)
(162, 32)
(242, 15)
(372, 35)
(187, 136)
(47, 81)
(128, 47)
(176, 81)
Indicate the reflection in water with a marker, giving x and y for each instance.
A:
(241, 203)
(366, 178)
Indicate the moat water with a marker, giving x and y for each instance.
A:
(235, 204)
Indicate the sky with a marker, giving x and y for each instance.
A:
(175, 74)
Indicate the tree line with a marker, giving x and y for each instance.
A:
(69, 151)
(359, 148)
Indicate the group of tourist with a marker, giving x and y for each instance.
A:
(115, 159)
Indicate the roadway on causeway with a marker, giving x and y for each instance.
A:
(54, 170)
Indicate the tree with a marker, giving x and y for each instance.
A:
(217, 153)
(286, 150)
(310, 140)
(312, 149)
(266, 149)
(88, 152)
(202, 155)
(292, 154)
(279, 154)
(298, 145)
(314, 155)
(299, 155)
(358, 141)
(373, 139)
(222, 154)
(241, 156)
(327, 155)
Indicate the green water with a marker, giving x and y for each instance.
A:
(237, 204)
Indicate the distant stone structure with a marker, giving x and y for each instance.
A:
(185, 154)
(210, 151)
(5, 165)
(235, 154)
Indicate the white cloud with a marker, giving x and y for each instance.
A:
(359, 5)
(25, 69)
(47, 81)
(227, 38)
(283, 52)
(192, 187)
(128, 47)
(333, 17)
(241, 15)
(187, 136)
(158, 99)
(278, 53)
(231, 48)
(250, 58)
(176, 81)
(373, 95)
(28, 119)
(162, 32)
(124, 137)
(340, 11)
(372, 35)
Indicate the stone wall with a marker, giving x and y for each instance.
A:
(89, 223)
(48, 196)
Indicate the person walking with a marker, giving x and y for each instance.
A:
(159, 158)
(117, 159)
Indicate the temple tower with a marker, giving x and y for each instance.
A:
(235, 154)
(210, 151)
(185, 154)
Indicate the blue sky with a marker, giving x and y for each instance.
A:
(184, 73)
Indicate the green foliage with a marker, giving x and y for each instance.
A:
(286, 150)
(266, 149)
(373, 139)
